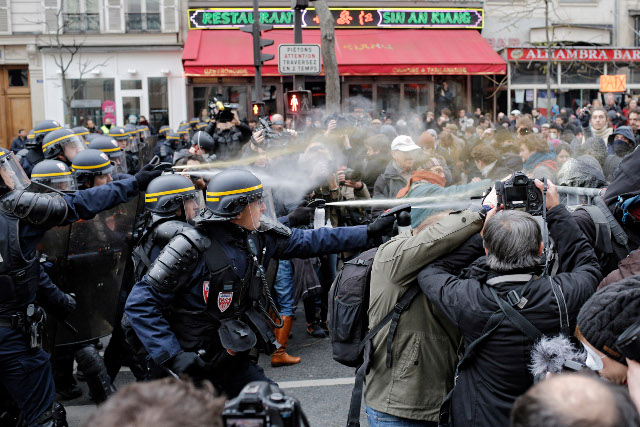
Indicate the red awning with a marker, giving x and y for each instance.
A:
(228, 53)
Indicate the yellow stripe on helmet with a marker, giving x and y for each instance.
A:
(56, 140)
(74, 167)
(164, 193)
(47, 130)
(45, 175)
(226, 193)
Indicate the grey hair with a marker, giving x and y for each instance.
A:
(512, 240)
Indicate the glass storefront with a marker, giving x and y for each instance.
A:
(158, 102)
(88, 96)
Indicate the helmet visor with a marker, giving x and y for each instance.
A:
(132, 144)
(267, 218)
(11, 173)
(119, 160)
(64, 182)
(193, 204)
(72, 146)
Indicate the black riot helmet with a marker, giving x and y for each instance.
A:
(62, 141)
(112, 149)
(143, 132)
(204, 141)
(90, 163)
(163, 131)
(41, 129)
(81, 131)
(183, 129)
(172, 139)
(201, 125)
(230, 191)
(12, 175)
(54, 174)
(120, 134)
(91, 137)
(168, 193)
(193, 122)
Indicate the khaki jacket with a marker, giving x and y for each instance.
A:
(425, 346)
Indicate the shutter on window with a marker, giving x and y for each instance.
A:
(114, 16)
(170, 9)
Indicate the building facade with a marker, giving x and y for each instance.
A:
(126, 61)
(589, 38)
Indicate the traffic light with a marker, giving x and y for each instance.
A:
(298, 101)
(257, 108)
(256, 29)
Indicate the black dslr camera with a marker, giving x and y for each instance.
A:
(261, 404)
(629, 342)
(520, 193)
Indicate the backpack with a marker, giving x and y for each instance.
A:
(349, 322)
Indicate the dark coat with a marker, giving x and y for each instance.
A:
(387, 186)
(498, 373)
(372, 167)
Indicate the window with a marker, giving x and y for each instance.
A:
(81, 16)
(532, 73)
(158, 102)
(18, 77)
(201, 97)
(88, 96)
(239, 95)
(360, 97)
(582, 72)
(416, 97)
(143, 16)
(130, 84)
(388, 97)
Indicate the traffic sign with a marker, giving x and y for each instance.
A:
(299, 59)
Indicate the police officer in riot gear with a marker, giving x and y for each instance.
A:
(54, 174)
(24, 218)
(111, 148)
(120, 134)
(62, 144)
(184, 132)
(163, 131)
(82, 132)
(32, 153)
(204, 301)
(92, 168)
(202, 144)
(166, 147)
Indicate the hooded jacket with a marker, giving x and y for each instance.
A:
(497, 372)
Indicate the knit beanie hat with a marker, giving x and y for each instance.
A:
(608, 313)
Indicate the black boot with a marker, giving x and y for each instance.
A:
(55, 416)
(92, 366)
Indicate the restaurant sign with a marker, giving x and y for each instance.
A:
(575, 54)
(226, 18)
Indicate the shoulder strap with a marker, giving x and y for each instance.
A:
(562, 307)
(393, 316)
(215, 257)
(516, 318)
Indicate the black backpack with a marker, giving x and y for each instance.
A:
(349, 322)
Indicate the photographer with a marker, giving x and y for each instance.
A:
(229, 134)
(497, 371)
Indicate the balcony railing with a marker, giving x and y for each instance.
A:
(143, 22)
(81, 22)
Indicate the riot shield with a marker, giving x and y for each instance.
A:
(147, 150)
(97, 253)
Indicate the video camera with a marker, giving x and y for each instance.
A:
(261, 404)
(271, 137)
(520, 193)
(222, 111)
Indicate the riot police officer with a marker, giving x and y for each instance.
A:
(206, 145)
(82, 132)
(62, 144)
(166, 147)
(92, 168)
(120, 134)
(111, 148)
(204, 302)
(54, 174)
(24, 218)
(163, 131)
(184, 132)
(31, 154)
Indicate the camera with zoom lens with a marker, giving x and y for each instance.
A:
(629, 342)
(261, 404)
(520, 193)
(352, 175)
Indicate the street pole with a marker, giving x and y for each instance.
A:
(298, 81)
(257, 60)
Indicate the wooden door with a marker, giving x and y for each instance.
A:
(15, 102)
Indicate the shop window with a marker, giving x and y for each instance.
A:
(581, 72)
(634, 73)
(522, 99)
(131, 109)
(143, 16)
(532, 73)
(455, 85)
(88, 97)
(80, 16)
(130, 84)
(360, 97)
(318, 93)
(270, 99)
(388, 99)
(416, 97)
(158, 102)
(18, 77)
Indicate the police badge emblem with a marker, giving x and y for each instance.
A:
(205, 291)
(224, 300)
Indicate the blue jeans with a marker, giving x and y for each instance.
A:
(377, 418)
(284, 288)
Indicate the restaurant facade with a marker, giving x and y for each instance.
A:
(389, 58)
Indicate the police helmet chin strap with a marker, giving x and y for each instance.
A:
(265, 287)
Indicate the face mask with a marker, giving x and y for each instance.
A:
(593, 362)
(621, 148)
(108, 126)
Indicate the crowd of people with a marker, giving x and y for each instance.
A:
(243, 221)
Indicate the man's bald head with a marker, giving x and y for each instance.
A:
(569, 400)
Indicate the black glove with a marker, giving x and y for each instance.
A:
(302, 215)
(585, 117)
(382, 226)
(146, 175)
(186, 362)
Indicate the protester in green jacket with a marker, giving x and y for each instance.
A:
(426, 345)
